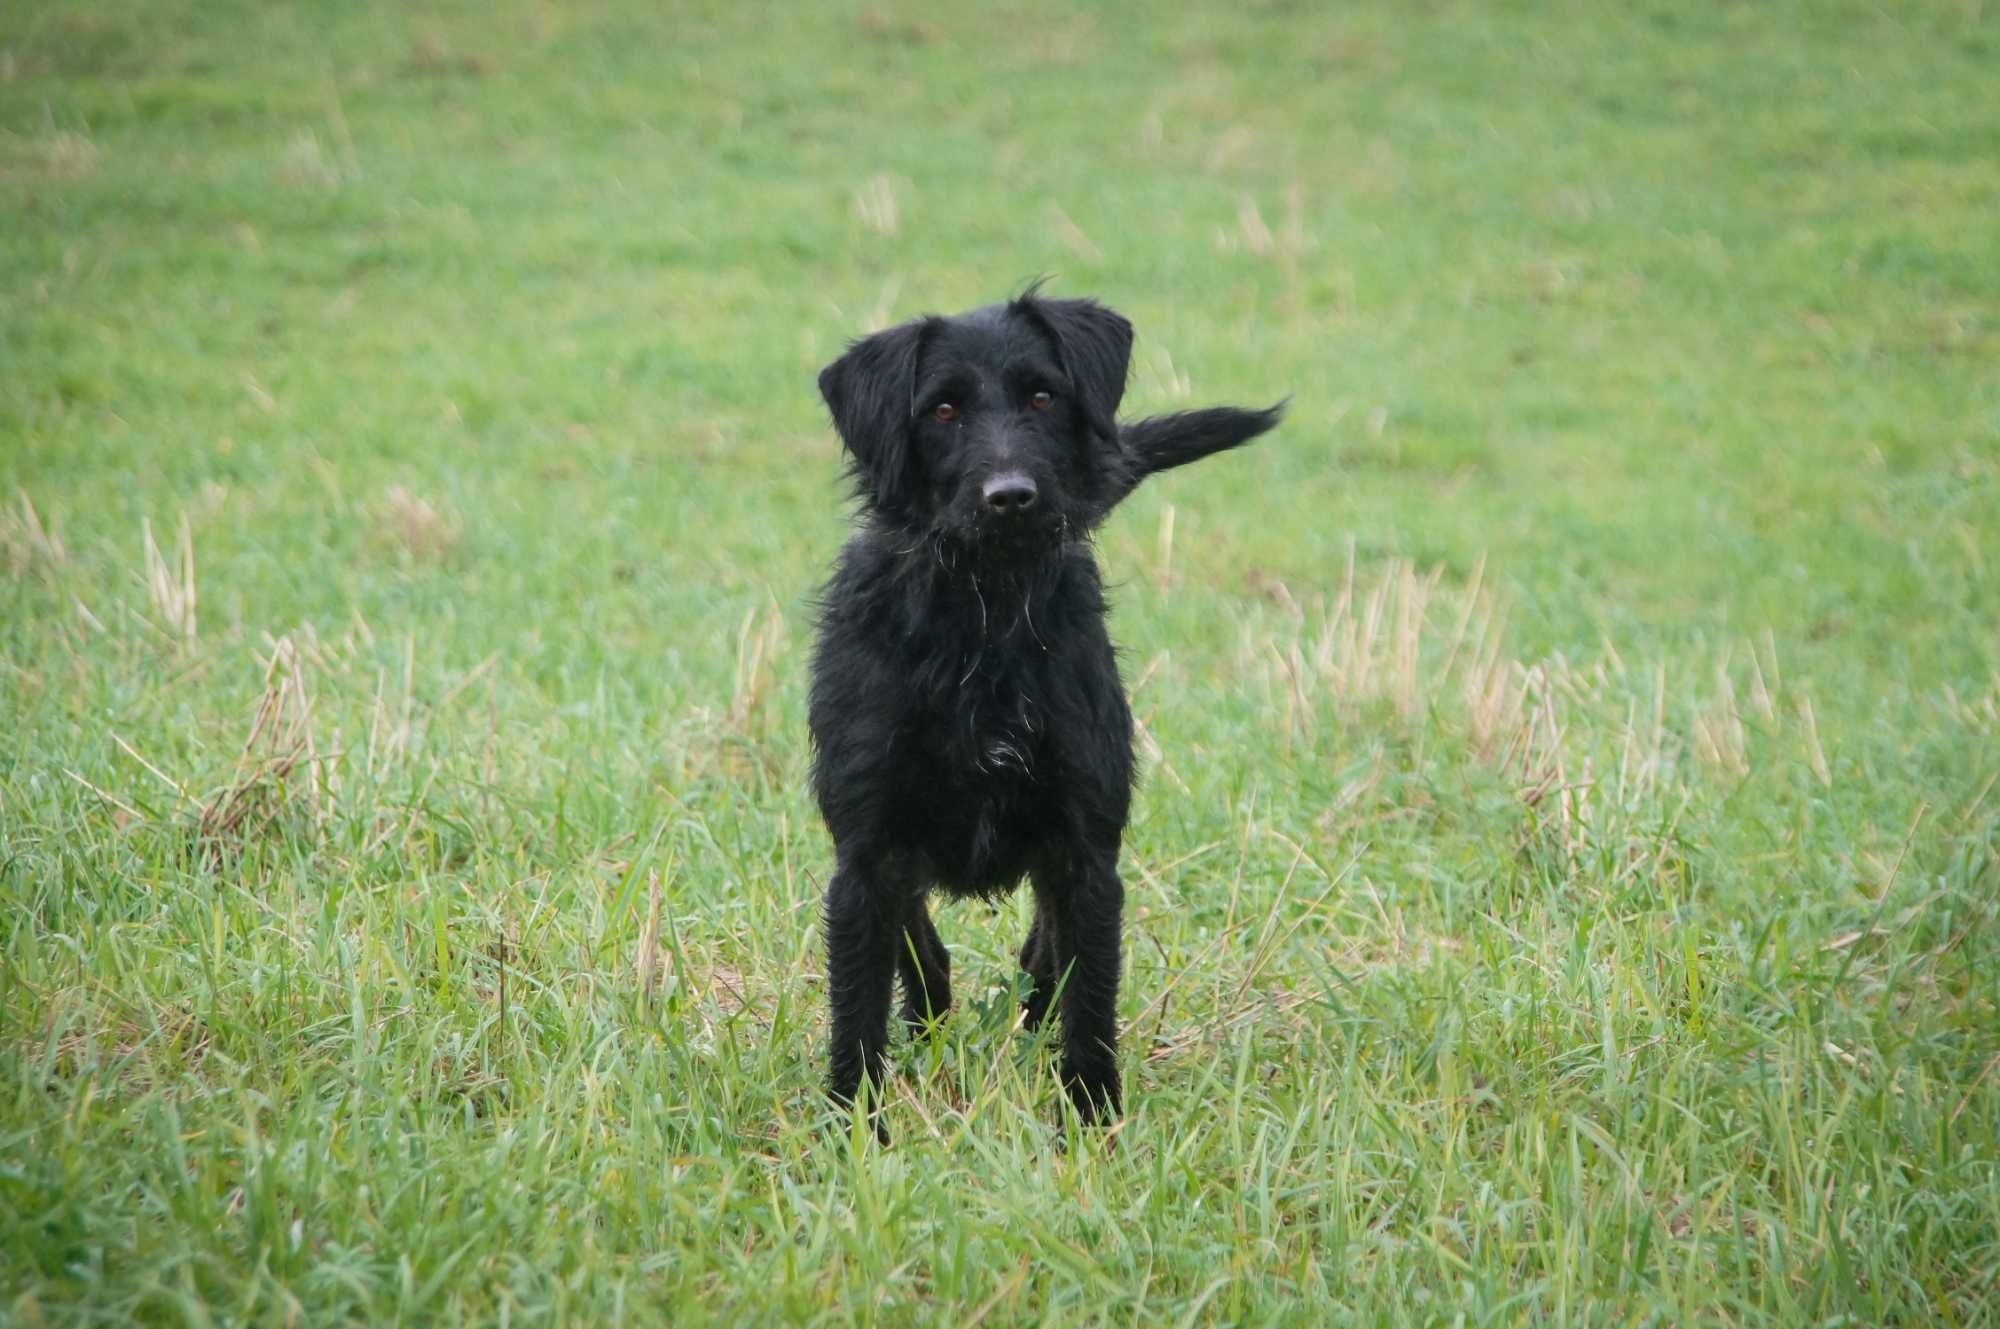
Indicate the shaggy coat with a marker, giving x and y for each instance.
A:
(968, 721)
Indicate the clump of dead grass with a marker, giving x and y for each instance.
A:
(62, 154)
(431, 56)
(708, 991)
(1602, 760)
(1072, 236)
(875, 204)
(308, 163)
(421, 530)
(278, 752)
(170, 580)
(1283, 247)
(736, 737)
(139, 1058)
(759, 642)
(29, 545)
(1978, 715)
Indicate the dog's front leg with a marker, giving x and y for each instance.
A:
(1085, 901)
(865, 907)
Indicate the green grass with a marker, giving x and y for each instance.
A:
(1563, 888)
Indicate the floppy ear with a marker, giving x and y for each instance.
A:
(870, 391)
(1095, 345)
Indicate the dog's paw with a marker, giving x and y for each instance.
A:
(838, 1130)
(1094, 1090)
(1035, 1005)
(840, 1122)
(921, 1021)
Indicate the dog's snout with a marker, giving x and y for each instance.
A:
(1005, 495)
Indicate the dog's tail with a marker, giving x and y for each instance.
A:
(1162, 442)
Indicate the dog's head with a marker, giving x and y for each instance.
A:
(995, 428)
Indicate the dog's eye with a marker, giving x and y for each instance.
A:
(944, 412)
(1041, 400)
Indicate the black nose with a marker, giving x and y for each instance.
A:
(1006, 494)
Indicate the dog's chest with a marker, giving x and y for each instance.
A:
(983, 742)
(987, 709)
(1003, 740)
(982, 792)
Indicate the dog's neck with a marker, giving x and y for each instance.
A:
(956, 596)
(948, 568)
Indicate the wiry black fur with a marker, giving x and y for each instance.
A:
(968, 721)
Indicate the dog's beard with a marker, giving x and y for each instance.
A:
(1005, 544)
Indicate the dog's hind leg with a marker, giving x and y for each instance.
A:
(925, 968)
(864, 927)
(1038, 958)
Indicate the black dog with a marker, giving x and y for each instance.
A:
(968, 722)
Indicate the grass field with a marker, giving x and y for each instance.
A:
(1564, 887)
